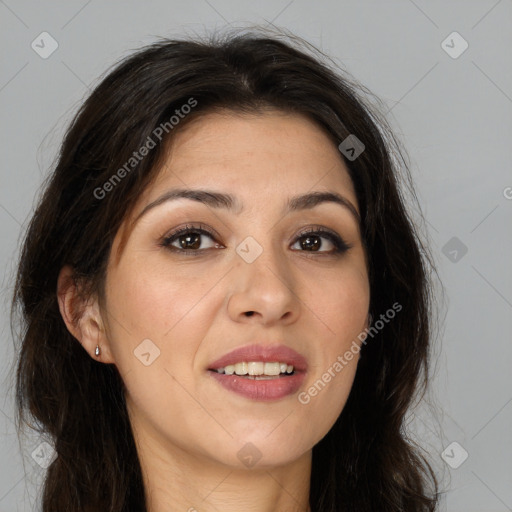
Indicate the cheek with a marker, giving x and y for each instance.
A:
(153, 301)
(172, 311)
(341, 302)
(166, 317)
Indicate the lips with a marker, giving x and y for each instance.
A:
(276, 353)
(255, 388)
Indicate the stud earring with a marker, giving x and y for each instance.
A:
(97, 351)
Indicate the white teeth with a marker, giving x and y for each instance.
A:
(271, 369)
(241, 368)
(254, 368)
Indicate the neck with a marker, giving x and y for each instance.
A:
(177, 480)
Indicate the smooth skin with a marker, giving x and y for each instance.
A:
(193, 307)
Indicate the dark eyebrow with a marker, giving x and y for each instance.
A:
(312, 199)
(227, 201)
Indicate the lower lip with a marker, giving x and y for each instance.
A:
(261, 390)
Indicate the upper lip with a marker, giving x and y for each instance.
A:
(273, 353)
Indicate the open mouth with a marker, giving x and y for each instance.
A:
(261, 373)
(257, 370)
(259, 377)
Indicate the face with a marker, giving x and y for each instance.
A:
(197, 280)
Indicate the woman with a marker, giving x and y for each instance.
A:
(226, 304)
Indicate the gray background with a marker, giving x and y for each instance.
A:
(452, 114)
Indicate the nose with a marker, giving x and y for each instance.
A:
(264, 292)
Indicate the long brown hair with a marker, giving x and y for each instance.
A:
(365, 462)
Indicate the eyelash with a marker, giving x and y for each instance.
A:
(340, 246)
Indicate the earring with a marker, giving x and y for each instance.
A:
(97, 351)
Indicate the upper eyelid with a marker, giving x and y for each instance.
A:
(187, 228)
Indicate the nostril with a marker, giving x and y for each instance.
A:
(249, 313)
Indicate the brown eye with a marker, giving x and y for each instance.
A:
(189, 239)
(314, 240)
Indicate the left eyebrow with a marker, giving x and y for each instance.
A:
(217, 200)
(312, 199)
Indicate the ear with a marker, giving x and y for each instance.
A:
(88, 327)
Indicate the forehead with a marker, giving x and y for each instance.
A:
(273, 152)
